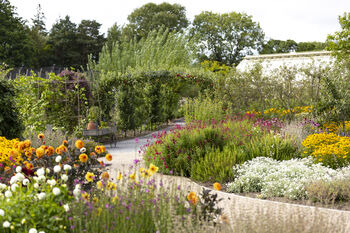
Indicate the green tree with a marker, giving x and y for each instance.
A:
(16, 47)
(339, 42)
(279, 46)
(151, 17)
(63, 40)
(311, 46)
(226, 38)
(89, 41)
(114, 36)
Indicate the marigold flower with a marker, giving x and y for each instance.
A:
(109, 157)
(192, 198)
(64, 142)
(27, 143)
(217, 186)
(93, 154)
(40, 152)
(29, 166)
(152, 168)
(111, 186)
(63, 148)
(101, 163)
(58, 151)
(50, 151)
(79, 144)
(105, 176)
(83, 158)
(76, 165)
(99, 185)
(28, 153)
(103, 148)
(89, 176)
(98, 150)
(41, 136)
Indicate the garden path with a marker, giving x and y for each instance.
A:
(126, 151)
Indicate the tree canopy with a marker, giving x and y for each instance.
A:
(339, 42)
(153, 16)
(226, 38)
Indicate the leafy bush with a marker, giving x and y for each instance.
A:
(10, 124)
(215, 166)
(329, 192)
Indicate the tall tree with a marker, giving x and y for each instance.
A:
(279, 46)
(339, 42)
(15, 44)
(151, 17)
(114, 35)
(63, 41)
(39, 21)
(90, 41)
(310, 46)
(226, 38)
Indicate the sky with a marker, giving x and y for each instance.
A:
(299, 20)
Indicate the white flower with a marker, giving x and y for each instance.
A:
(41, 179)
(2, 212)
(8, 193)
(13, 180)
(56, 191)
(18, 169)
(40, 172)
(41, 196)
(66, 207)
(52, 182)
(32, 230)
(26, 182)
(47, 171)
(57, 169)
(23, 221)
(58, 159)
(36, 185)
(41, 231)
(20, 177)
(76, 192)
(67, 167)
(2, 186)
(6, 224)
(14, 187)
(64, 185)
(64, 177)
(83, 150)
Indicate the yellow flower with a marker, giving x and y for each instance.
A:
(152, 169)
(192, 198)
(41, 136)
(89, 176)
(29, 166)
(115, 199)
(63, 148)
(79, 144)
(108, 157)
(98, 149)
(40, 152)
(50, 151)
(64, 142)
(83, 158)
(133, 176)
(99, 185)
(58, 151)
(103, 148)
(95, 200)
(85, 196)
(112, 186)
(120, 176)
(217, 186)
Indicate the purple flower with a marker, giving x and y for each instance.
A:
(136, 140)
(136, 161)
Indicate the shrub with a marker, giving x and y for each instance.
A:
(215, 166)
(10, 124)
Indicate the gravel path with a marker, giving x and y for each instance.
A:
(126, 151)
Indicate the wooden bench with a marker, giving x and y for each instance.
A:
(102, 132)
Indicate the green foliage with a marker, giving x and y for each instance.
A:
(311, 46)
(339, 42)
(226, 38)
(16, 46)
(59, 100)
(10, 124)
(203, 109)
(279, 46)
(215, 166)
(151, 17)
(215, 67)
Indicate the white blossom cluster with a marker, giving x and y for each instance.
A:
(287, 178)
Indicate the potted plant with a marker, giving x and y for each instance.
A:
(93, 118)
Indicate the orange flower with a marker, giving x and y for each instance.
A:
(79, 144)
(58, 150)
(65, 142)
(76, 165)
(40, 152)
(105, 176)
(41, 136)
(63, 148)
(93, 154)
(103, 148)
(101, 163)
(28, 153)
(29, 166)
(109, 157)
(98, 150)
(83, 158)
(192, 198)
(7, 169)
(27, 143)
(217, 186)
(21, 146)
(50, 151)
(44, 147)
